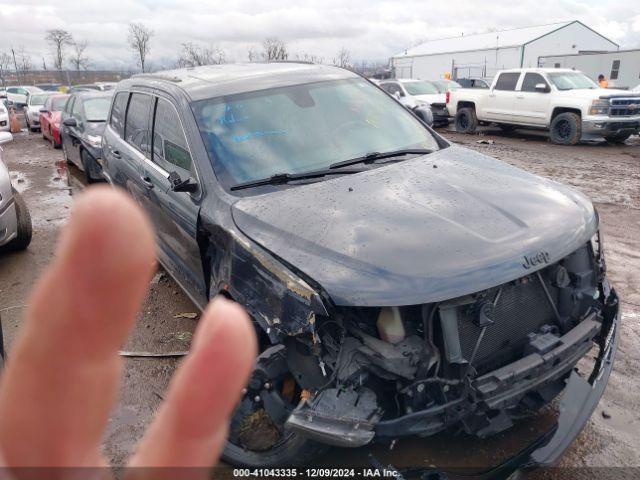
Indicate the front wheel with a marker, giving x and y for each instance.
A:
(566, 129)
(257, 437)
(466, 120)
(25, 231)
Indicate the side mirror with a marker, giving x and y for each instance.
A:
(542, 88)
(397, 95)
(5, 137)
(70, 122)
(179, 185)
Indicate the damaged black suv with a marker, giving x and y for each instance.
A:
(399, 285)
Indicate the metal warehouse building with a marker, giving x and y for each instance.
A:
(622, 67)
(482, 55)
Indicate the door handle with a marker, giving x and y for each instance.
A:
(146, 181)
(520, 96)
(115, 153)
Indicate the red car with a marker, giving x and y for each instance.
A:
(50, 116)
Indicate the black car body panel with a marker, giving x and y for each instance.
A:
(410, 224)
(432, 291)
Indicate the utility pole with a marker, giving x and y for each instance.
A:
(15, 64)
(44, 65)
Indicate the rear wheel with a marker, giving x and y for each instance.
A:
(256, 435)
(566, 129)
(620, 138)
(91, 167)
(25, 231)
(466, 120)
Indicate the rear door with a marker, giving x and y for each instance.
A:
(501, 99)
(174, 214)
(135, 149)
(531, 106)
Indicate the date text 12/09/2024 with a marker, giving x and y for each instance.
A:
(316, 473)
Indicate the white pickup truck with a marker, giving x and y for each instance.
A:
(565, 102)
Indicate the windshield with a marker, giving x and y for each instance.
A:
(58, 103)
(420, 88)
(302, 128)
(38, 99)
(444, 85)
(97, 109)
(571, 81)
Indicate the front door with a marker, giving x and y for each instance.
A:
(532, 106)
(175, 214)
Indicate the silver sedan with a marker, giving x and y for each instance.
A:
(15, 221)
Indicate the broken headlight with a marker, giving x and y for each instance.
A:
(599, 107)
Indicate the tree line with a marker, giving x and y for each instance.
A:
(70, 54)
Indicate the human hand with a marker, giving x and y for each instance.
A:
(62, 377)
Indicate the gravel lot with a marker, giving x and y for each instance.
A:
(610, 175)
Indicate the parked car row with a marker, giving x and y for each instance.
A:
(399, 284)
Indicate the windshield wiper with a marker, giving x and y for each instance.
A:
(283, 178)
(373, 156)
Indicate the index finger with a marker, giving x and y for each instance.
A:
(63, 374)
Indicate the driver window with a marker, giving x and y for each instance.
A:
(530, 81)
(170, 149)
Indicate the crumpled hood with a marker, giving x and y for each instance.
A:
(426, 229)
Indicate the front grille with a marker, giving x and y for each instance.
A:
(624, 107)
(521, 308)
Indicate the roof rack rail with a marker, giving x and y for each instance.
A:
(158, 76)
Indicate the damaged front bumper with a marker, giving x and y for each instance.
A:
(495, 391)
(578, 402)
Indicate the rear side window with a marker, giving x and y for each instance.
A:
(137, 124)
(69, 105)
(118, 112)
(170, 149)
(76, 109)
(507, 81)
(531, 80)
(392, 88)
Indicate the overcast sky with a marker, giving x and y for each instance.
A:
(370, 29)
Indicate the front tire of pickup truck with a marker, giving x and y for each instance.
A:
(466, 120)
(566, 129)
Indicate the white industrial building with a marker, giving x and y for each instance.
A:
(482, 55)
(622, 67)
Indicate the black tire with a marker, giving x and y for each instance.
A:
(466, 120)
(255, 438)
(295, 451)
(566, 129)
(64, 152)
(618, 139)
(25, 231)
(92, 170)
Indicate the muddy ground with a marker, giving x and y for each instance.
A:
(610, 175)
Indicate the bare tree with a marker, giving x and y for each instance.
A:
(194, 55)
(59, 40)
(24, 61)
(5, 63)
(252, 54)
(139, 39)
(307, 57)
(78, 59)
(274, 49)
(343, 59)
